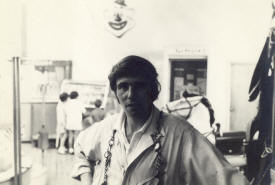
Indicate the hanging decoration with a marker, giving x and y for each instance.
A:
(119, 18)
(260, 149)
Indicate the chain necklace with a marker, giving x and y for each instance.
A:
(159, 163)
(108, 156)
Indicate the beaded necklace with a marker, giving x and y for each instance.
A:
(159, 163)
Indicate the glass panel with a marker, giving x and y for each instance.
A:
(40, 86)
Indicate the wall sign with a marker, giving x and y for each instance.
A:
(119, 18)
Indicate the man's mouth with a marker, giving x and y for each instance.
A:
(118, 25)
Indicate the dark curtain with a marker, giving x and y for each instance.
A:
(258, 164)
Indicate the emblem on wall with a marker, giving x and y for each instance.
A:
(119, 18)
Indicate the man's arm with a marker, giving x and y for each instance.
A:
(206, 165)
(82, 168)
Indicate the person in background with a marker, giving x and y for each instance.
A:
(95, 115)
(143, 145)
(87, 119)
(74, 112)
(98, 113)
(61, 132)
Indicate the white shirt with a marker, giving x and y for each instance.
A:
(127, 148)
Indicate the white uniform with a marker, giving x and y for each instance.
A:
(74, 110)
(61, 117)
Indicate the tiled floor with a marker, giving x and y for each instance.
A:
(53, 167)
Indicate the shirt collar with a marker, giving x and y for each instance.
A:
(149, 126)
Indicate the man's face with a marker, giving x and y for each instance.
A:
(134, 95)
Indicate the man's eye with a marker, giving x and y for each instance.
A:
(123, 86)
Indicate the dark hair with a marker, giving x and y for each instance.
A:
(135, 66)
(98, 103)
(73, 94)
(63, 96)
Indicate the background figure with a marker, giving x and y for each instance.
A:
(87, 119)
(74, 111)
(95, 115)
(61, 123)
(98, 113)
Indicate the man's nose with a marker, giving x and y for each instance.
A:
(131, 92)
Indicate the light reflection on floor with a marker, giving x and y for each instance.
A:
(53, 167)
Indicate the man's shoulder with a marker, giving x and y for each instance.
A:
(179, 127)
(100, 128)
(109, 119)
(107, 123)
(176, 123)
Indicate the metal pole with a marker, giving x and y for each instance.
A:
(272, 33)
(273, 115)
(19, 121)
(16, 121)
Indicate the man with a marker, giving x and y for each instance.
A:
(143, 145)
(96, 115)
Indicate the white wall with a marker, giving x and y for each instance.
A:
(49, 29)
(230, 30)
(10, 45)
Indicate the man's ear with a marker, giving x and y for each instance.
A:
(150, 93)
